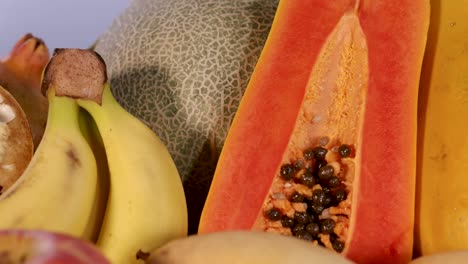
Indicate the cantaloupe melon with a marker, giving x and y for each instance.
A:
(182, 67)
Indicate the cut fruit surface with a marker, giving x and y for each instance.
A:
(16, 141)
(323, 146)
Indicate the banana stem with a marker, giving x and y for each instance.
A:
(63, 112)
(84, 77)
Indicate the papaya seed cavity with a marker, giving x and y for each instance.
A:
(317, 172)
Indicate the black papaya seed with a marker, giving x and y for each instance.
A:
(334, 182)
(302, 234)
(287, 172)
(287, 221)
(274, 214)
(318, 196)
(317, 208)
(344, 151)
(307, 178)
(338, 245)
(313, 228)
(339, 195)
(320, 153)
(301, 217)
(326, 172)
(298, 227)
(308, 154)
(297, 198)
(327, 225)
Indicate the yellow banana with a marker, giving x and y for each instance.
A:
(146, 205)
(448, 257)
(243, 247)
(442, 193)
(56, 192)
(91, 133)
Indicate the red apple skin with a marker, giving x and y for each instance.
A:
(43, 247)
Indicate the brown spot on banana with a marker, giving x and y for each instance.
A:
(142, 255)
(73, 157)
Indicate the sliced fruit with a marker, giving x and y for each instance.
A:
(323, 146)
(16, 142)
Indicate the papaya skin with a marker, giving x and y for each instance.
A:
(383, 189)
(441, 200)
(20, 75)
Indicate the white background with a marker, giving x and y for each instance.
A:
(60, 23)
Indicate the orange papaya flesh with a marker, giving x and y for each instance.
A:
(342, 76)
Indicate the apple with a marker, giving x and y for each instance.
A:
(45, 247)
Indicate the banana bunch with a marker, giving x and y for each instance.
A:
(98, 173)
(58, 188)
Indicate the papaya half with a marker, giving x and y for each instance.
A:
(323, 144)
(442, 193)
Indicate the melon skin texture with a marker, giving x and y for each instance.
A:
(182, 67)
(300, 86)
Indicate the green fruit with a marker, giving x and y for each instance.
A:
(182, 67)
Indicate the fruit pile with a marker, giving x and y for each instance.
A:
(98, 175)
(335, 153)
